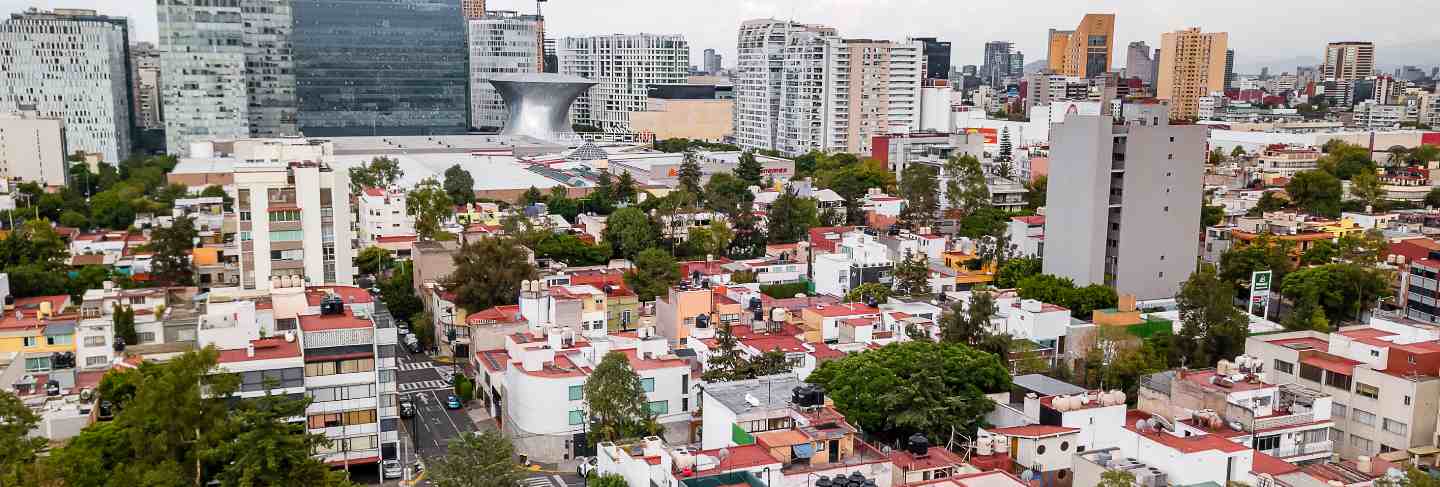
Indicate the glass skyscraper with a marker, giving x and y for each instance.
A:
(380, 67)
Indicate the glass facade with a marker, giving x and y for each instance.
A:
(380, 67)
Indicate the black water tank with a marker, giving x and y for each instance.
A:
(800, 395)
(817, 395)
(917, 444)
(823, 482)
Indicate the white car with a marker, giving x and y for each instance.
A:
(391, 469)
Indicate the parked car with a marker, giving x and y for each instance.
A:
(452, 402)
(586, 467)
(391, 469)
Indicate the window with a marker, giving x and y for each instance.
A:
(1393, 426)
(1337, 380)
(648, 384)
(1337, 410)
(685, 403)
(28, 342)
(1367, 390)
(94, 341)
(285, 215)
(1310, 373)
(1362, 416)
(146, 336)
(60, 340)
(1284, 366)
(659, 407)
(1361, 443)
(1264, 443)
(315, 369)
(260, 380)
(1314, 436)
(37, 364)
(1338, 436)
(1407, 400)
(576, 392)
(96, 360)
(286, 235)
(576, 417)
(685, 385)
(341, 393)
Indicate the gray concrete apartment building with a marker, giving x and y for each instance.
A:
(1128, 211)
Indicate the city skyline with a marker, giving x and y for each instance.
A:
(1275, 37)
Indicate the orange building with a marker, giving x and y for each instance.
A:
(1085, 51)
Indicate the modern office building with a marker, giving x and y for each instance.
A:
(269, 67)
(999, 63)
(1130, 206)
(625, 65)
(32, 148)
(380, 68)
(500, 42)
(714, 62)
(776, 72)
(937, 58)
(473, 9)
(202, 79)
(1085, 51)
(1348, 61)
(1139, 64)
(145, 84)
(1229, 69)
(1192, 65)
(72, 65)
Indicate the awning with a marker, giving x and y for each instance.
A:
(803, 450)
(1424, 450)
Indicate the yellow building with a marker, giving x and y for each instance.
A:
(1085, 51)
(710, 120)
(1192, 65)
(967, 278)
(32, 331)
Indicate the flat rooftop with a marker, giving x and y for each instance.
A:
(490, 172)
(771, 391)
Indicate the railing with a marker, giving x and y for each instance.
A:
(1282, 421)
(1302, 450)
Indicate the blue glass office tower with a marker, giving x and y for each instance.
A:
(380, 67)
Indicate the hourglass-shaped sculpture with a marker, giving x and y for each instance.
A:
(537, 103)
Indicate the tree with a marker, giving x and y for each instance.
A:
(1237, 153)
(123, 319)
(1345, 160)
(1046, 288)
(1366, 187)
(749, 240)
(1424, 154)
(628, 231)
(1320, 252)
(268, 449)
(920, 187)
(1362, 248)
(569, 249)
(726, 362)
(18, 458)
(1211, 215)
(965, 190)
(748, 169)
(1271, 201)
(373, 260)
(485, 459)
(602, 199)
(728, 195)
(914, 387)
(488, 273)
(655, 271)
(1012, 271)
(912, 275)
(792, 217)
(1432, 198)
(459, 185)
(1266, 252)
(398, 293)
(430, 204)
(1210, 318)
(1216, 156)
(74, 219)
(1317, 192)
(531, 196)
(970, 324)
(380, 172)
(609, 480)
(1035, 191)
(172, 246)
(1343, 291)
(712, 240)
(616, 401)
(689, 174)
(625, 188)
(852, 178)
(868, 292)
(1117, 478)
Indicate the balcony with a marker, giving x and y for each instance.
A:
(1316, 448)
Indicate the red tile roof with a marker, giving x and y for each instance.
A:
(1034, 431)
(29, 308)
(395, 238)
(1189, 444)
(350, 294)
(741, 457)
(1314, 343)
(1030, 220)
(265, 349)
(935, 457)
(499, 314)
(820, 243)
(638, 363)
(333, 322)
(845, 309)
(766, 343)
(1271, 465)
(1333, 363)
(374, 191)
(1204, 378)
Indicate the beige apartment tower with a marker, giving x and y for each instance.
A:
(473, 9)
(1085, 51)
(1348, 61)
(1192, 65)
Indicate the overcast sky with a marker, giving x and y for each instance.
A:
(1260, 31)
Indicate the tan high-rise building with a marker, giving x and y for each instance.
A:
(1349, 61)
(1086, 50)
(1192, 65)
(473, 9)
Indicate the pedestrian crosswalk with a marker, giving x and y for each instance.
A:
(536, 482)
(423, 385)
(416, 365)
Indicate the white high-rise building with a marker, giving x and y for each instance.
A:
(70, 64)
(32, 148)
(202, 81)
(800, 88)
(624, 65)
(771, 64)
(499, 42)
(1130, 205)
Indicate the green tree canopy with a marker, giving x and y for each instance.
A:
(628, 231)
(380, 172)
(965, 189)
(1211, 320)
(920, 187)
(748, 169)
(728, 194)
(1346, 160)
(1010, 273)
(1344, 291)
(792, 217)
(689, 174)
(18, 458)
(459, 185)
(1266, 252)
(372, 260)
(654, 272)
(1317, 192)
(485, 459)
(399, 292)
(172, 246)
(914, 387)
(871, 290)
(1035, 192)
(488, 273)
(569, 249)
(430, 205)
(616, 401)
